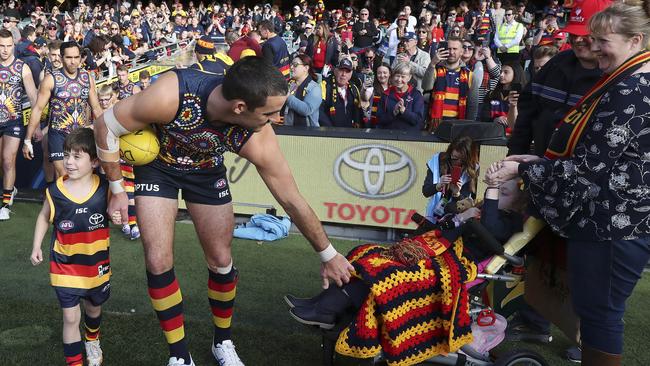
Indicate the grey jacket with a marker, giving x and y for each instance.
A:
(419, 63)
(309, 107)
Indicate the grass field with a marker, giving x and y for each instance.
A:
(263, 330)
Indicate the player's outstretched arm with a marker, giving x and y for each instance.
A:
(264, 152)
(40, 229)
(156, 105)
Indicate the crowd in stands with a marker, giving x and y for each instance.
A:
(408, 71)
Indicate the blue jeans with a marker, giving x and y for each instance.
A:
(602, 275)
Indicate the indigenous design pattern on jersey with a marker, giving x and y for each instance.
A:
(69, 107)
(79, 258)
(125, 91)
(11, 91)
(191, 142)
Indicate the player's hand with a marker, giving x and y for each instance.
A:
(37, 256)
(28, 149)
(118, 203)
(337, 269)
(116, 218)
(38, 134)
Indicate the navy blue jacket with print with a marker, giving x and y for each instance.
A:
(603, 191)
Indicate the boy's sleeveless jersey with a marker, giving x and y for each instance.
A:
(190, 142)
(79, 251)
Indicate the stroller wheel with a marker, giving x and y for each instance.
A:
(520, 358)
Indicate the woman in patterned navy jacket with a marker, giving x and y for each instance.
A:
(593, 186)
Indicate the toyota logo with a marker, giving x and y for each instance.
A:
(374, 171)
(96, 218)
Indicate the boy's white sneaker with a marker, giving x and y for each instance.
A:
(4, 213)
(126, 229)
(173, 361)
(225, 354)
(93, 353)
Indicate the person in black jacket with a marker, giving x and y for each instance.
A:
(341, 105)
(364, 31)
(553, 91)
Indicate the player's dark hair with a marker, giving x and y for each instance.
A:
(81, 139)
(69, 44)
(5, 33)
(266, 25)
(252, 79)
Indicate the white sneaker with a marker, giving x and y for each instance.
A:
(225, 354)
(135, 232)
(4, 213)
(126, 230)
(13, 195)
(173, 361)
(93, 353)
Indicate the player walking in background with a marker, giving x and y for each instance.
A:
(125, 88)
(107, 96)
(71, 94)
(15, 81)
(79, 256)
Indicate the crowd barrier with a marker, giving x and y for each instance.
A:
(351, 176)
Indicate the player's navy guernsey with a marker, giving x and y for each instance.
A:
(190, 142)
(11, 92)
(125, 91)
(69, 107)
(79, 260)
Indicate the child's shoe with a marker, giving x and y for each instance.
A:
(93, 353)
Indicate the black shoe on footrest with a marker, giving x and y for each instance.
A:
(311, 316)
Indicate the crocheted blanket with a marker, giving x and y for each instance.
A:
(413, 312)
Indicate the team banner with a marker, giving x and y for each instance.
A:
(349, 180)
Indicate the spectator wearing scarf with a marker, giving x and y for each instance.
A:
(401, 106)
(341, 106)
(305, 96)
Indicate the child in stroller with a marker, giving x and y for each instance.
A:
(331, 308)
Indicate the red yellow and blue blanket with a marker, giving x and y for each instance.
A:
(413, 312)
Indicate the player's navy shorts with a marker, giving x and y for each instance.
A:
(55, 140)
(204, 186)
(14, 128)
(97, 296)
